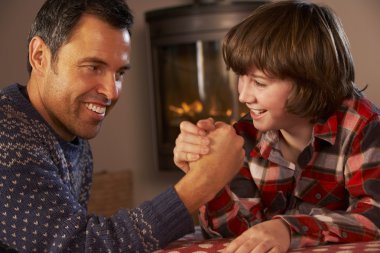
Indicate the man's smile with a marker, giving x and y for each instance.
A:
(96, 108)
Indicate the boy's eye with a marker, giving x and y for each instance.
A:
(258, 83)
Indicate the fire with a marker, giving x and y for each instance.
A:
(187, 109)
(196, 107)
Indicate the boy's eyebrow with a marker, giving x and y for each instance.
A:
(259, 76)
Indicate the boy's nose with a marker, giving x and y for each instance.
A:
(245, 92)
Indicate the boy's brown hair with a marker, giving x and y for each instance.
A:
(301, 42)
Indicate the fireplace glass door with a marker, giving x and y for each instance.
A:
(194, 84)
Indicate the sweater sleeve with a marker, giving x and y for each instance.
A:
(38, 213)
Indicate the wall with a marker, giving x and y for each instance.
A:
(126, 140)
(361, 21)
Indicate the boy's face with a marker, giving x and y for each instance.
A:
(266, 99)
(81, 87)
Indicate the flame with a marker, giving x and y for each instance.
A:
(196, 107)
(187, 109)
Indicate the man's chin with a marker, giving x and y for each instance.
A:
(89, 132)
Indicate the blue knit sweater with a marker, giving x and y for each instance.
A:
(44, 188)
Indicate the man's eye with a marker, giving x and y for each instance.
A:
(93, 67)
(120, 75)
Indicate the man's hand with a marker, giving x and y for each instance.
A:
(208, 175)
(192, 142)
(270, 236)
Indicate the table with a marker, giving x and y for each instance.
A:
(194, 243)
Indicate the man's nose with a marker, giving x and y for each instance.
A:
(110, 87)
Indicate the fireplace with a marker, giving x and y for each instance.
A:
(189, 78)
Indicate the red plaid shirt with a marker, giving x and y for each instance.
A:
(332, 194)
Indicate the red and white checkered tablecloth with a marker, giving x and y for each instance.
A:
(194, 243)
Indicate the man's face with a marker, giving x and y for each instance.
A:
(84, 83)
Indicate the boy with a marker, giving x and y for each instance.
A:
(311, 138)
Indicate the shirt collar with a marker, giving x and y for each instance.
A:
(261, 144)
(266, 143)
(324, 129)
(327, 129)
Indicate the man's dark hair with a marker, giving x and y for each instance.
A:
(56, 20)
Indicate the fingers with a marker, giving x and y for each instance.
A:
(237, 245)
(251, 245)
(193, 138)
(189, 148)
(181, 157)
(201, 128)
(188, 127)
(270, 236)
(206, 124)
(220, 124)
(185, 151)
(192, 143)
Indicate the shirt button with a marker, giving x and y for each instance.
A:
(305, 229)
(344, 235)
(318, 196)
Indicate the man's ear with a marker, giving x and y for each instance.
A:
(39, 55)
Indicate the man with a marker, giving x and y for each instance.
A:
(79, 52)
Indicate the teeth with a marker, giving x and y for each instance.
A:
(257, 111)
(97, 109)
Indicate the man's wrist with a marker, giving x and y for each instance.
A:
(190, 199)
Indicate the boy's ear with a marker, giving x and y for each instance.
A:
(39, 55)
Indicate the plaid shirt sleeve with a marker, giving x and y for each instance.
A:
(361, 220)
(228, 215)
(354, 217)
(238, 206)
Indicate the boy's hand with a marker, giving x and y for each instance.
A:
(192, 142)
(271, 236)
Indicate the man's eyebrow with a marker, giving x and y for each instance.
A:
(101, 62)
(125, 67)
(92, 60)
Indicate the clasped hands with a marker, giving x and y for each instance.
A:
(215, 150)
